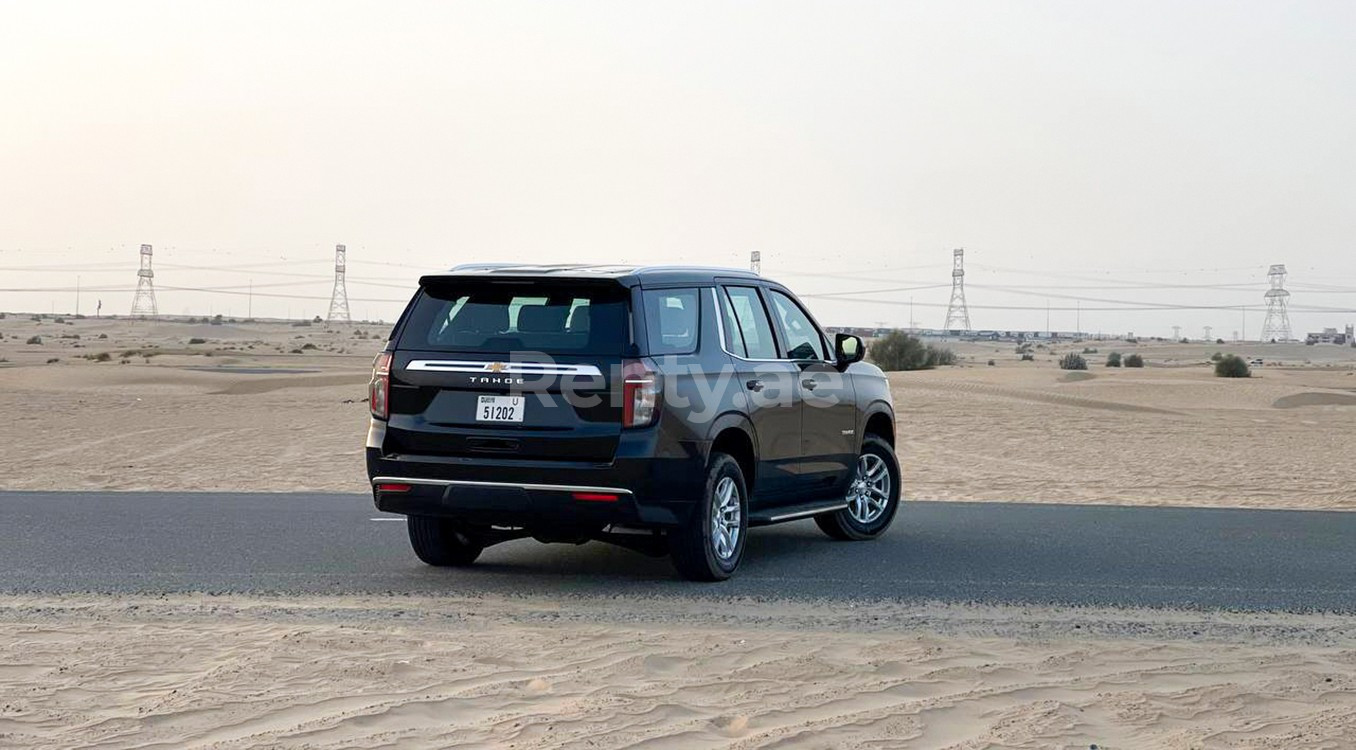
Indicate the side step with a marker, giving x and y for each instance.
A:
(794, 512)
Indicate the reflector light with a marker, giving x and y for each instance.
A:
(596, 497)
(393, 488)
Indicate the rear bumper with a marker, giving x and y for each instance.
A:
(637, 488)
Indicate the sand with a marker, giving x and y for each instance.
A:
(254, 408)
(449, 673)
(243, 412)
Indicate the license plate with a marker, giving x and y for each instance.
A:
(500, 408)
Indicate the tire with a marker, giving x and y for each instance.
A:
(868, 514)
(701, 551)
(442, 543)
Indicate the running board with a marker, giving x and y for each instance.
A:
(794, 512)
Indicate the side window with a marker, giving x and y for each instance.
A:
(734, 340)
(672, 320)
(754, 328)
(803, 340)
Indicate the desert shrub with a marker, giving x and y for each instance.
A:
(124, 361)
(70, 335)
(295, 351)
(101, 357)
(317, 319)
(1219, 341)
(35, 340)
(2, 316)
(302, 324)
(898, 351)
(1113, 359)
(196, 340)
(1089, 350)
(53, 360)
(59, 320)
(1028, 357)
(308, 346)
(1073, 361)
(1232, 366)
(1134, 360)
(36, 318)
(1216, 357)
(992, 363)
(216, 320)
(103, 335)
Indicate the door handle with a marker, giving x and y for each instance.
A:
(809, 385)
(754, 385)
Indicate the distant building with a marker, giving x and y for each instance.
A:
(1330, 336)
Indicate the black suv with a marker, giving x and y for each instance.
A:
(665, 409)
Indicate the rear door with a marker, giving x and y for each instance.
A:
(769, 385)
(510, 368)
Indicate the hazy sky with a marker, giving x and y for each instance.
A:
(1075, 149)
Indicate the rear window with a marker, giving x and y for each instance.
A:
(500, 317)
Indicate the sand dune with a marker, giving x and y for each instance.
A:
(243, 412)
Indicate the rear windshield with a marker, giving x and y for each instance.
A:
(500, 317)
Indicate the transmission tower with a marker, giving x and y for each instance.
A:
(1276, 327)
(1208, 329)
(957, 315)
(143, 303)
(339, 298)
(1176, 333)
(756, 262)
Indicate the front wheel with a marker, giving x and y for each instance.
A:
(872, 497)
(443, 543)
(709, 546)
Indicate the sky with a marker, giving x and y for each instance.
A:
(1114, 161)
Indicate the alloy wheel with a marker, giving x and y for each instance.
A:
(725, 517)
(868, 496)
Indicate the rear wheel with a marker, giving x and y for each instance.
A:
(709, 546)
(872, 497)
(443, 543)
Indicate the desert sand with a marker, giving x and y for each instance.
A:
(279, 407)
(449, 673)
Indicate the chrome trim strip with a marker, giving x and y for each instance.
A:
(520, 485)
(811, 512)
(505, 368)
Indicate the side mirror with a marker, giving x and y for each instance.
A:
(848, 349)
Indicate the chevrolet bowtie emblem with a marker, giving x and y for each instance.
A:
(495, 367)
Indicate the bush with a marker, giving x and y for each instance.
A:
(1134, 360)
(103, 335)
(898, 351)
(1216, 357)
(308, 346)
(1113, 359)
(1073, 361)
(1089, 350)
(101, 357)
(53, 360)
(992, 363)
(196, 341)
(35, 340)
(1232, 366)
(216, 320)
(1028, 357)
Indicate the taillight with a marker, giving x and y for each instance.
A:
(640, 393)
(379, 391)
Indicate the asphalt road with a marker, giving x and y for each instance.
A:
(995, 553)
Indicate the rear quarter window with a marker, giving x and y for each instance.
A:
(672, 320)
